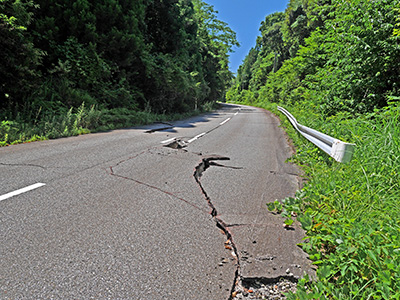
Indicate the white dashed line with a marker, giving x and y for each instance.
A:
(168, 141)
(222, 123)
(21, 191)
(196, 137)
(199, 135)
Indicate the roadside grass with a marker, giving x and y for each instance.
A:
(349, 211)
(43, 125)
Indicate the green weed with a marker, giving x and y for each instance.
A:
(352, 211)
(51, 124)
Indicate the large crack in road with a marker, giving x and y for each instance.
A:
(113, 173)
(205, 163)
(272, 275)
(259, 287)
(241, 287)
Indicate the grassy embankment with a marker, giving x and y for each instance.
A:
(50, 125)
(350, 211)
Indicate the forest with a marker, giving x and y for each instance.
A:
(335, 65)
(68, 67)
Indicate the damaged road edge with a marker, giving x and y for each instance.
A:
(242, 286)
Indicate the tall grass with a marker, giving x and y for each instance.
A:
(350, 211)
(51, 124)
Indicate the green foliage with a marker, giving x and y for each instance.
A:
(362, 69)
(19, 56)
(162, 56)
(275, 206)
(337, 55)
(396, 30)
(295, 29)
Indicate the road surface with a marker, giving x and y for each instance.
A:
(154, 212)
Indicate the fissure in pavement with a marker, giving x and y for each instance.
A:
(22, 165)
(259, 287)
(240, 284)
(229, 244)
(112, 173)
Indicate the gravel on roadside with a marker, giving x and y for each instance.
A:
(259, 290)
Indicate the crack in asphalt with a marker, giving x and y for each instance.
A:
(248, 282)
(156, 188)
(22, 165)
(176, 144)
(199, 170)
(230, 244)
(112, 173)
(224, 166)
(241, 285)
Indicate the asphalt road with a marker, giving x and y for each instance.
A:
(143, 213)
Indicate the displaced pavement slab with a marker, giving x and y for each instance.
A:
(269, 251)
(240, 188)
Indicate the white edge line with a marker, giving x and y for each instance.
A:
(167, 141)
(222, 123)
(21, 191)
(196, 137)
(236, 113)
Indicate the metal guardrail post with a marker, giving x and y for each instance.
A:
(340, 151)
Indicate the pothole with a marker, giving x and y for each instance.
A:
(176, 144)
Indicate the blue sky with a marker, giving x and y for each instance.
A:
(244, 17)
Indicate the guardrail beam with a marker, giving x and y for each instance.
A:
(340, 151)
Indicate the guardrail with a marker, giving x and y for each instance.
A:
(340, 151)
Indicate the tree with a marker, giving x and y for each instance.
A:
(295, 27)
(216, 42)
(344, 55)
(19, 57)
(160, 55)
(363, 67)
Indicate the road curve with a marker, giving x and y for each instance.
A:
(155, 212)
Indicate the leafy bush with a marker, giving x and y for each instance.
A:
(350, 211)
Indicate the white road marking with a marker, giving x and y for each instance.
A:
(196, 137)
(222, 123)
(199, 135)
(168, 141)
(21, 191)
